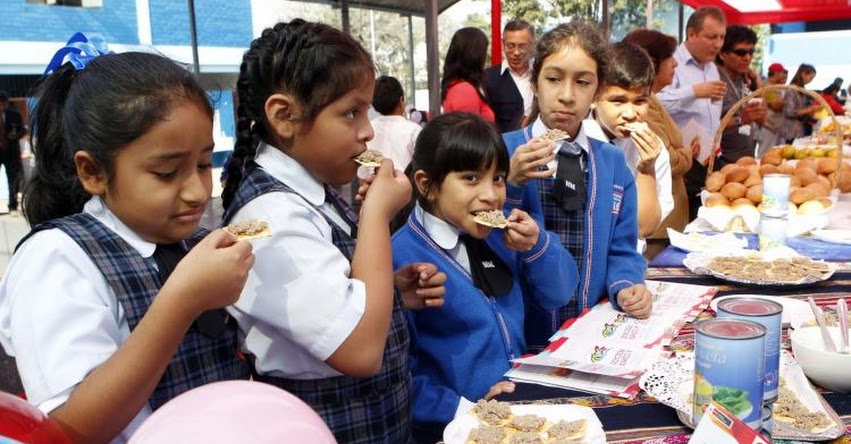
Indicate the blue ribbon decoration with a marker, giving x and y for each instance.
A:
(79, 51)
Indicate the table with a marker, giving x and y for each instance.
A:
(643, 420)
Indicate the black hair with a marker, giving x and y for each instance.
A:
(737, 34)
(101, 109)
(518, 24)
(695, 21)
(629, 67)
(4, 97)
(798, 78)
(659, 46)
(457, 141)
(313, 62)
(465, 59)
(388, 93)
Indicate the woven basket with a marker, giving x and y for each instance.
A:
(761, 92)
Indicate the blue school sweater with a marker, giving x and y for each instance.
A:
(610, 261)
(464, 347)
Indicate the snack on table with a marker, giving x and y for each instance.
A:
(492, 218)
(778, 270)
(487, 435)
(527, 423)
(370, 158)
(492, 412)
(567, 431)
(526, 438)
(249, 229)
(790, 410)
(555, 134)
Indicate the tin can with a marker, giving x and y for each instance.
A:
(772, 232)
(767, 422)
(775, 194)
(769, 314)
(728, 368)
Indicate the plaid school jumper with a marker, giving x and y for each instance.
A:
(198, 360)
(357, 410)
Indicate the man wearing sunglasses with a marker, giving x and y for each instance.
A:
(508, 86)
(734, 65)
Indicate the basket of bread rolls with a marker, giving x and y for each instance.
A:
(733, 194)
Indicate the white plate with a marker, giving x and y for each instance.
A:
(795, 312)
(459, 429)
(693, 242)
(833, 236)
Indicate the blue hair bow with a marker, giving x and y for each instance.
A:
(79, 51)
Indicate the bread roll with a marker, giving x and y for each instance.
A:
(768, 169)
(727, 168)
(785, 168)
(716, 180)
(811, 207)
(824, 182)
(844, 183)
(806, 175)
(754, 194)
(809, 162)
(737, 174)
(734, 190)
(801, 195)
(772, 157)
(826, 165)
(818, 190)
(747, 160)
(716, 199)
(753, 179)
(741, 203)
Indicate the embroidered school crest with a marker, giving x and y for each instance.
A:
(617, 199)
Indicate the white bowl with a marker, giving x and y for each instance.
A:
(830, 370)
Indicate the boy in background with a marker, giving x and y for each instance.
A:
(395, 135)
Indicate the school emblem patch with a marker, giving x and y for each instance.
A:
(617, 199)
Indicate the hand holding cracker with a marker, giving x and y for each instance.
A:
(529, 158)
(522, 231)
(387, 193)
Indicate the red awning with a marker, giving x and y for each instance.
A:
(791, 11)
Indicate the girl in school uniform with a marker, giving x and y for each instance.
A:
(460, 352)
(581, 188)
(319, 312)
(102, 336)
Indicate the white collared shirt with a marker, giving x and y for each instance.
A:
(524, 85)
(395, 137)
(444, 235)
(679, 98)
(58, 315)
(299, 303)
(539, 129)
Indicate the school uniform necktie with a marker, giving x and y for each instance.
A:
(211, 323)
(343, 208)
(489, 272)
(569, 186)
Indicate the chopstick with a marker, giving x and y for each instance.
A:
(825, 335)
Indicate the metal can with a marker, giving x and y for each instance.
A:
(772, 232)
(767, 421)
(769, 314)
(775, 194)
(728, 368)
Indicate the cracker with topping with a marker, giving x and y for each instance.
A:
(249, 229)
(492, 218)
(370, 158)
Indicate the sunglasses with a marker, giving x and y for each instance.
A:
(743, 52)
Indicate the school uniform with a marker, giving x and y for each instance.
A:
(299, 304)
(73, 292)
(464, 347)
(601, 235)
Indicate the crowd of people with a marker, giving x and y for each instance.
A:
(392, 317)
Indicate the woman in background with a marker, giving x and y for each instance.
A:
(463, 70)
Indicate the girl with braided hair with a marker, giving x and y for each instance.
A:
(319, 313)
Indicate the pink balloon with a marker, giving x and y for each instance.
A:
(234, 411)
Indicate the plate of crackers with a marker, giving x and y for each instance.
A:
(780, 268)
(496, 422)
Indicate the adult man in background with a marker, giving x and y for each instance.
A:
(508, 86)
(739, 136)
(395, 136)
(11, 130)
(697, 90)
(773, 132)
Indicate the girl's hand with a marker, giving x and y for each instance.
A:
(528, 158)
(363, 187)
(498, 388)
(649, 147)
(636, 301)
(387, 192)
(420, 285)
(522, 231)
(213, 273)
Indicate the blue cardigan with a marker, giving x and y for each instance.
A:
(464, 347)
(611, 262)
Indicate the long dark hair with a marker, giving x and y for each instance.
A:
(803, 68)
(465, 59)
(101, 109)
(659, 46)
(314, 63)
(456, 141)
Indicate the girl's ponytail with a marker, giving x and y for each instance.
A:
(54, 189)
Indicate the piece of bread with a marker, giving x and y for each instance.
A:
(754, 194)
(249, 229)
(737, 174)
(492, 218)
(716, 180)
(734, 190)
(746, 160)
(717, 200)
(370, 158)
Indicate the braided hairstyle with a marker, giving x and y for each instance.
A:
(101, 109)
(312, 62)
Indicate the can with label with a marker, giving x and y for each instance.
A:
(769, 314)
(775, 194)
(772, 231)
(728, 368)
(767, 421)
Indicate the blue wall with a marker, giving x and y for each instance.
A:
(219, 22)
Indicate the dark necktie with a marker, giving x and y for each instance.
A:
(489, 272)
(3, 140)
(211, 323)
(569, 186)
(343, 209)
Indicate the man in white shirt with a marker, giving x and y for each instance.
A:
(395, 136)
(697, 91)
(508, 86)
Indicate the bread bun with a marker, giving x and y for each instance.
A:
(827, 165)
(825, 182)
(737, 174)
(811, 207)
(772, 157)
(806, 175)
(746, 160)
(727, 168)
(785, 168)
(818, 190)
(795, 181)
(734, 190)
(768, 169)
(754, 194)
(844, 183)
(716, 200)
(753, 179)
(716, 180)
(801, 195)
(742, 202)
(810, 162)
